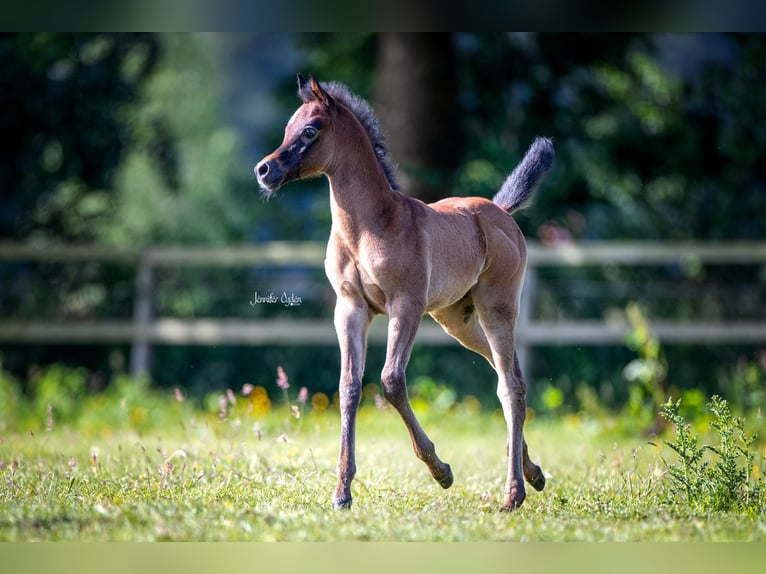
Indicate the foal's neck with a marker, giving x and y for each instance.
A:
(361, 198)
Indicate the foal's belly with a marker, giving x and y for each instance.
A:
(449, 286)
(441, 290)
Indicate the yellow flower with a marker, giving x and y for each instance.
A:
(259, 401)
(319, 402)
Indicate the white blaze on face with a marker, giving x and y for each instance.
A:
(292, 119)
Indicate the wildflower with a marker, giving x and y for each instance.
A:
(380, 403)
(282, 381)
(303, 395)
(296, 411)
(230, 396)
(282, 438)
(247, 389)
(283, 384)
(179, 395)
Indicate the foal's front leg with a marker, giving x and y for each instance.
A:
(351, 324)
(403, 322)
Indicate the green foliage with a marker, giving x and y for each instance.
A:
(64, 98)
(342, 57)
(428, 394)
(647, 373)
(118, 138)
(199, 203)
(59, 396)
(745, 384)
(728, 480)
(60, 392)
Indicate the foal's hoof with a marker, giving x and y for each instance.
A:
(445, 480)
(513, 501)
(536, 478)
(342, 504)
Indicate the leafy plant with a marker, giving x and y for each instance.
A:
(647, 373)
(723, 477)
(429, 394)
(745, 384)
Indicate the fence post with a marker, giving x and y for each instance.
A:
(526, 305)
(140, 353)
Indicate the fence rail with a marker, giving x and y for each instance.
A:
(145, 330)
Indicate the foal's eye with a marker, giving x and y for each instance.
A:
(309, 133)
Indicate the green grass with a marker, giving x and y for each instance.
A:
(270, 477)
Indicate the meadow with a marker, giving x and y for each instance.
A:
(139, 464)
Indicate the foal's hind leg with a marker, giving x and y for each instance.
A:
(403, 322)
(460, 320)
(497, 308)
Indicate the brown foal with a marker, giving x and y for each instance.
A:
(461, 260)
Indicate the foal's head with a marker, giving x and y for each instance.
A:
(306, 149)
(330, 125)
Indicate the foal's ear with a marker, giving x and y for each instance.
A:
(320, 95)
(304, 90)
(310, 91)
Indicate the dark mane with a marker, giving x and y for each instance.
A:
(363, 112)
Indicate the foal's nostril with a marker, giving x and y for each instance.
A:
(262, 169)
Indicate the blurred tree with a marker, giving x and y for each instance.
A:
(64, 99)
(118, 138)
(211, 197)
(648, 147)
(416, 99)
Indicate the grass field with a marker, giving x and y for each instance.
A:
(202, 477)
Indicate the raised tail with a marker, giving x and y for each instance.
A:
(517, 189)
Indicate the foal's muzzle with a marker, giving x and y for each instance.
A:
(270, 175)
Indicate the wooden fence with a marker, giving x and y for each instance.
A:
(145, 330)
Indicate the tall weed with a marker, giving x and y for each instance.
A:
(720, 477)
